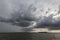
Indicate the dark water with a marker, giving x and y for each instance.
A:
(29, 36)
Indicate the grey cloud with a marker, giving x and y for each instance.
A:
(23, 12)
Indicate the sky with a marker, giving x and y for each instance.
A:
(31, 13)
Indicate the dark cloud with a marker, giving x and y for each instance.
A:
(30, 13)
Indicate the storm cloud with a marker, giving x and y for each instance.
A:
(31, 13)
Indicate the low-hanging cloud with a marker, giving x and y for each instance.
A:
(25, 13)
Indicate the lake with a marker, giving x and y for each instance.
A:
(29, 36)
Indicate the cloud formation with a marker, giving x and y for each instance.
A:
(25, 13)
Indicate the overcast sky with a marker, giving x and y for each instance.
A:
(44, 12)
(6, 6)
